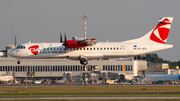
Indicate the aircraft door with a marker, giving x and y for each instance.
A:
(129, 49)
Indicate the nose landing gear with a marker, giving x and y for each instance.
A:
(18, 62)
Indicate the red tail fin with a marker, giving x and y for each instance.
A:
(161, 31)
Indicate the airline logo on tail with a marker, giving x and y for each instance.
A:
(161, 31)
(33, 49)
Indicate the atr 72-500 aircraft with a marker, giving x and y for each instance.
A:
(87, 49)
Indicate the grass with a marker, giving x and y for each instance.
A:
(90, 91)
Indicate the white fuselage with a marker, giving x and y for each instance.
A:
(100, 50)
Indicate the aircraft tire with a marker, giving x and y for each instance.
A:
(83, 61)
(18, 62)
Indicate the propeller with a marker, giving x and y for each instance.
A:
(60, 37)
(65, 42)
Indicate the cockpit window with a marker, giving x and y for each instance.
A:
(20, 47)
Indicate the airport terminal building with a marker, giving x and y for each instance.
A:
(55, 68)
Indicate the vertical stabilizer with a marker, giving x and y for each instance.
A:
(157, 35)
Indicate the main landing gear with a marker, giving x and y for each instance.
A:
(83, 61)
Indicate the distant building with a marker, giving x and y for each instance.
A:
(4, 53)
(157, 65)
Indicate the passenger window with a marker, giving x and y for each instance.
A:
(111, 48)
(94, 48)
(97, 48)
(57, 48)
(90, 48)
(50, 48)
(54, 48)
(117, 48)
(47, 48)
(44, 48)
(101, 48)
(114, 48)
(107, 48)
(87, 48)
(84, 48)
(104, 48)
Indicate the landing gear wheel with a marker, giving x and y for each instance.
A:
(18, 62)
(83, 61)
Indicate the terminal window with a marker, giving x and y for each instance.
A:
(104, 67)
(114, 68)
(128, 67)
(79, 68)
(16, 68)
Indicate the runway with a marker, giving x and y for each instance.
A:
(71, 98)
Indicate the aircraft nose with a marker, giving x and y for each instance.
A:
(11, 53)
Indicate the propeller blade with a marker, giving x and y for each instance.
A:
(65, 37)
(60, 37)
(65, 42)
